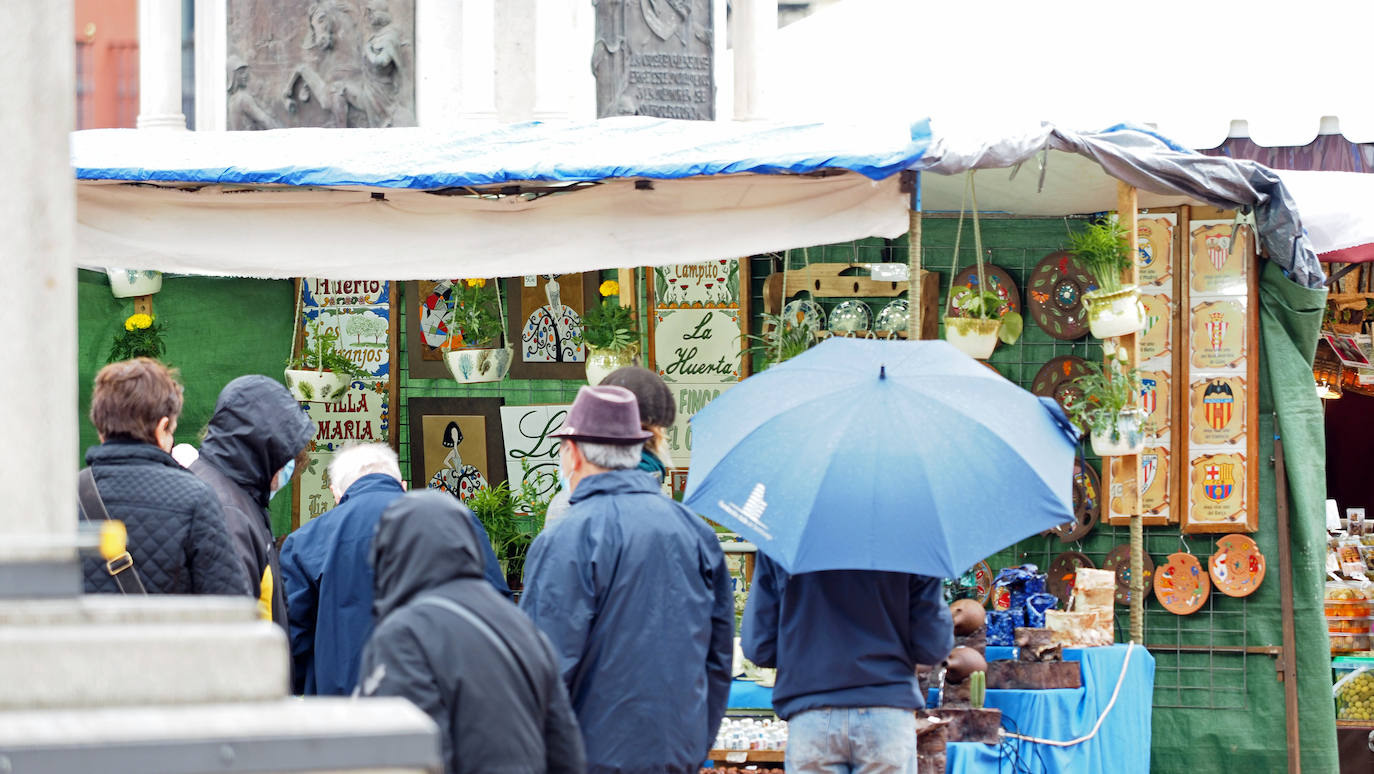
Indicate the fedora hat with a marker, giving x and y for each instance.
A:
(604, 414)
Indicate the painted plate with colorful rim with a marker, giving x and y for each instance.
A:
(1055, 379)
(1087, 505)
(1237, 567)
(1054, 297)
(1181, 585)
(806, 312)
(999, 281)
(1062, 572)
(1118, 560)
(983, 573)
(852, 316)
(893, 318)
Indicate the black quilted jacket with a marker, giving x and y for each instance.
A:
(177, 533)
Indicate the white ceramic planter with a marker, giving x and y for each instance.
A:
(472, 366)
(1129, 438)
(126, 283)
(975, 337)
(601, 362)
(1114, 314)
(316, 386)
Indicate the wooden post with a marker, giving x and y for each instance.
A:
(143, 305)
(1289, 673)
(1126, 207)
(915, 285)
(626, 279)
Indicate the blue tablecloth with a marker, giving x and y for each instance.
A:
(1121, 746)
(746, 694)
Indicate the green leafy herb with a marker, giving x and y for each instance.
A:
(1107, 393)
(323, 354)
(782, 339)
(1102, 250)
(141, 337)
(610, 326)
(476, 314)
(512, 519)
(987, 305)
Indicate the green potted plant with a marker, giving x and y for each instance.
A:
(983, 320)
(783, 338)
(512, 519)
(141, 337)
(474, 353)
(321, 373)
(1110, 407)
(1114, 308)
(611, 334)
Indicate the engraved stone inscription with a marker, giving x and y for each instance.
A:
(654, 58)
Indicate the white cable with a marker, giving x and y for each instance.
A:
(1116, 692)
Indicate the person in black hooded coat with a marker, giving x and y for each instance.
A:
(257, 428)
(447, 641)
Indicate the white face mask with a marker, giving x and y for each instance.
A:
(664, 453)
(280, 480)
(564, 478)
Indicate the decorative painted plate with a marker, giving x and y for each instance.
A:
(999, 281)
(1118, 560)
(893, 318)
(1181, 585)
(1055, 296)
(1237, 567)
(852, 316)
(1087, 505)
(1062, 573)
(982, 572)
(804, 311)
(1055, 379)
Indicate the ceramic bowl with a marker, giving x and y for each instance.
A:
(851, 316)
(806, 312)
(894, 318)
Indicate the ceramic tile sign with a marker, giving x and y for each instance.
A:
(1120, 485)
(709, 285)
(525, 431)
(1217, 489)
(550, 317)
(697, 345)
(1218, 335)
(319, 292)
(689, 399)
(1217, 410)
(1154, 475)
(1156, 337)
(1155, 390)
(363, 335)
(1219, 263)
(1154, 266)
(363, 415)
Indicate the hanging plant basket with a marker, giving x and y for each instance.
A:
(601, 362)
(477, 365)
(127, 283)
(1116, 313)
(1124, 438)
(975, 337)
(316, 386)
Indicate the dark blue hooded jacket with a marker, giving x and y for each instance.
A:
(329, 584)
(632, 590)
(844, 638)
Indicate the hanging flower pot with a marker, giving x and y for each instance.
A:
(601, 362)
(1122, 437)
(485, 364)
(974, 336)
(127, 283)
(316, 386)
(1115, 313)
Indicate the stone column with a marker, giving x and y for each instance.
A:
(553, 59)
(754, 25)
(159, 65)
(38, 477)
(212, 51)
(438, 61)
(478, 70)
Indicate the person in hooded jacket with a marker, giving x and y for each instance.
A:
(448, 642)
(248, 454)
(328, 577)
(632, 590)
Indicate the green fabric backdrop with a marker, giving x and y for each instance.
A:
(216, 329)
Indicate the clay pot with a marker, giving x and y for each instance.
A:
(969, 616)
(963, 662)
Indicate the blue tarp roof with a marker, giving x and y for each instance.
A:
(427, 159)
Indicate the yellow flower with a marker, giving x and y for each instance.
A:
(137, 322)
(476, 282)
(610, 288)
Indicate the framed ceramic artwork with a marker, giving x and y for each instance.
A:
(544, 324)
(1217, 490)
(429, 311)
(1219, 263)
(1155, 392)
(1157, 335)
(1154, 475)
(1217, 411)
(1054, 296)
(1154, 266)
(456, 445)
(1218, 335)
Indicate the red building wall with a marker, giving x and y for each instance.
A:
(106, 63)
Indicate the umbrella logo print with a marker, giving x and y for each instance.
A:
(751, 512)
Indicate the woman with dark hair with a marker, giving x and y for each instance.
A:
(459, 480)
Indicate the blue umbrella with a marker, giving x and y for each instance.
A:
(882, 455)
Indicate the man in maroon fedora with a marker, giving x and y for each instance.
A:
(632, 590)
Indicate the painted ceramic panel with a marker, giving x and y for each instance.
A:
(525, 431)
(363, 335)
(1154, 475)
(455, 454)
(1218, 335)
(312, 486)
(1156, 336)
(690, 399)
(709, 285)
(1155, 263)
(697, 345)
(1217, 487)
(1121, 486)
(551, 307)
(1155, 391)
(1218, 260)
(363, 415)
(1217, 410)
(331, 292)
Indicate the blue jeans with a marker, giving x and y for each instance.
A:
(852, 740)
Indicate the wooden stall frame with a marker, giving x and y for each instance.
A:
(1126, 208)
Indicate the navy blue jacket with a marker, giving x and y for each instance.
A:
(328, 581)
(632, 590)
(844, 638)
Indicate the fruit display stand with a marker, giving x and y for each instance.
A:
(1354, 694)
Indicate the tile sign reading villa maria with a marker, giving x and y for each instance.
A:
(358, 312)
(696, 328)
